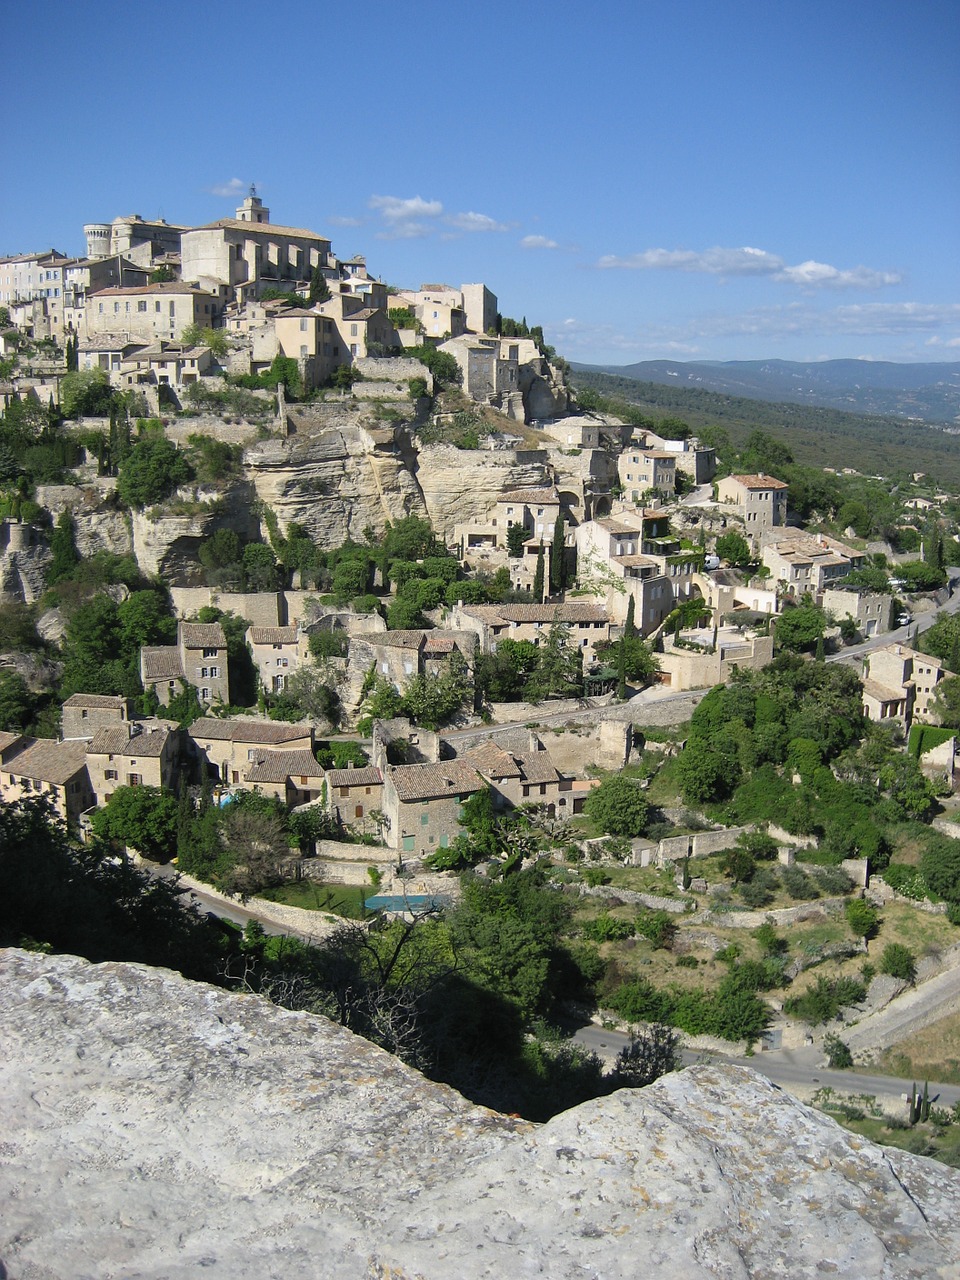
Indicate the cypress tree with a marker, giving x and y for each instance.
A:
(64, 550)
(630, 629)
(538, 575)
(557, 574)
(622, 672)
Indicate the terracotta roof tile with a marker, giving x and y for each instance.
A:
(368, 777)
(278, 766)
(432, 781)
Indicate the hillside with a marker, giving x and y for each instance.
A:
(816, 436)
(918, 392)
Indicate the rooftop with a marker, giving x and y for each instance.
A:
(278, 766)
(202, 635)
(46, 760)
(264, 732)
(117, 740)
(365, 777)
(760, 481)
(272, 635)
(431, 781)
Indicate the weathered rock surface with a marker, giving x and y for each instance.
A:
(152, 1127)
(167, 545)
(336, 483)
(463, 485)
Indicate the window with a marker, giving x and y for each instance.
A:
(424, 819)
(358, 811)
(303, 326)
(205, 695)
(214, 673)
(209, 653)
(408, 844)
(110, 774)
(142, 306)
(156, 306)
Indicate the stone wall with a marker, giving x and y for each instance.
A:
(781, 916)
(262, 609)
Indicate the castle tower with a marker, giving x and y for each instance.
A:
(98, 239)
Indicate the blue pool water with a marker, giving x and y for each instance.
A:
(397, 902)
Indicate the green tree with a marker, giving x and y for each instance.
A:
(617, 806)
(538, 575)
(800, 628)
(946, 702)
(516, 537)
(17, 703)
(940, 867)
(558, 564)
(145, 818)
(63, 549)
(151, 472)
(734, 548)
(86, 392)
(650, 1054)
(217, 340)
(319, 289)
(260, 569)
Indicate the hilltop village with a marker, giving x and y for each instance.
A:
(309, 579)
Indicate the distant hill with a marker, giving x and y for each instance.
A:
(924, 392)
(875, 445)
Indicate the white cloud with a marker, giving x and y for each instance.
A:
(397, 209)
(747, 261)
(404, 217)
(474, 222)
(235, 187)
(538, 242)
(337, 221)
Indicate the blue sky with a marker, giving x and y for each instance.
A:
(685, 180)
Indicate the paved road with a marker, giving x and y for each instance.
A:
(798, 1071)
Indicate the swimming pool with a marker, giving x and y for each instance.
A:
(399, 902)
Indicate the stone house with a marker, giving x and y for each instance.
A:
(423, 804)
(275, 653)
(150, 312)
(401, 656)
(640, 470)
(163, 369)
(802, 562)
(635, 554)
(44, 766)
(134, 755)
(575, 431)
(526, 777)
(870, 610)
(353, 794)
(588, 624)
(900, 683)
(228, 747)
(199, 657)
(107, 351)
(293, 776)
(759, 500)
(490, 370)
(535, 509)
(84, 714)
(696, 460)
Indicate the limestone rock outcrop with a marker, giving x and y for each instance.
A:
(156, 1128)
(336, 482)
(463, 485)
(166, 543)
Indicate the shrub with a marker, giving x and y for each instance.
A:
(839, 1057)
(825, 999)
(906, 880)
(606, 928)
(899, 962)
(657, 927)
(863, 918)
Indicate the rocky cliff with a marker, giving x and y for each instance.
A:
(155, 1128)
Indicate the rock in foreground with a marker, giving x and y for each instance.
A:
(151, 1127)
